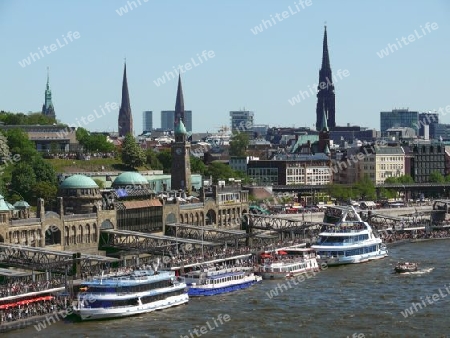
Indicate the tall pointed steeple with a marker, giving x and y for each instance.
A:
(324, 122)
(179, 105)
(181, 148)
(47, 107)
(325, 91)
(325, 56)
(125, 116)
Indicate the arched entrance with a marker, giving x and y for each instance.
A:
(106, 224)
(211, 217)
(170, 219)
(52, 235)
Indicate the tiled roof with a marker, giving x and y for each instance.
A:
(138, 204)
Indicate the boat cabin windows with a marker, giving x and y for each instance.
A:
(131, 301)
(341, 240)
(128, 288)
(361, 251)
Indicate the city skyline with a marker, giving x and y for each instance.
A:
(276, 64)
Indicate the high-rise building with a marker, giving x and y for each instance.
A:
(241, 120)
(398, 118)
(325, 91)
(431, 120)
(125, 123)
(147, 121)
(181, 148)
(47, 107)
(168, 120)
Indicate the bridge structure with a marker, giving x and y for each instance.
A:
(224, 236)
(139, 242)
(284, 227)
(53, 261)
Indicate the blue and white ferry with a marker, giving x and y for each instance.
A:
(139, 292)
(220, 276)
(350, 240)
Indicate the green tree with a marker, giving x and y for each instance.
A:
(132, 154)
(366, 188)
(219, 171)
(93, 141)
(4, 148)
(238, 144)
(165, 158)
(47, 191)
(152, 160)
(23, 180)
(436, 177)
(388, 193)
(405, 179)
(44, 171)
(197, 166)
(341, 192)
(19, 143)
(10, 118)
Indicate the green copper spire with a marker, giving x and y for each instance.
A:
(47, 107)
(180, 128)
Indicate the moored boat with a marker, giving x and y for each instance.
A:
(286, 263)
(405, 267)
(210, 282)
(139, 292)
(350, 240)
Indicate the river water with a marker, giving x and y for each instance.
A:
(361, 300)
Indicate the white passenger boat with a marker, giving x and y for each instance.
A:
(286, 263)
(138, 292)
(221, 276)
(350, 240)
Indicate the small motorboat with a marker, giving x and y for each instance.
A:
(405, 267)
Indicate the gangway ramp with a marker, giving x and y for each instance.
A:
(41, 259)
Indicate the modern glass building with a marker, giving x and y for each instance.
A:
(168, 119)
(399, 118)
(147, 121)
(241, 121)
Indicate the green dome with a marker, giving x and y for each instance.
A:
(129, 178)
(78, 182)
(180, 129)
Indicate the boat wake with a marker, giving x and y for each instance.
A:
(418, 272)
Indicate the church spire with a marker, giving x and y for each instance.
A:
(125, 116)
(48, 78)
(325, 55)
(325, 108)
(179, 105)
(324, 121)
(47, 107)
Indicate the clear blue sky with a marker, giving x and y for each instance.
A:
(259, 72)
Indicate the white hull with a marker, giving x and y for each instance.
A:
(341, 260)
(102, 313)
(284, 275)
(281, 270)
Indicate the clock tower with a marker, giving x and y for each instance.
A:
(181, 149)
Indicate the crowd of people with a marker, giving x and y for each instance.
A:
(32, 309)
(208, 253)
(22, 287)
(411, 235)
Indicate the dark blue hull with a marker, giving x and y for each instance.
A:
(199, 291)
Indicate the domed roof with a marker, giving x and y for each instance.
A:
(78, 182)
(180, 129)
(130, 178)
